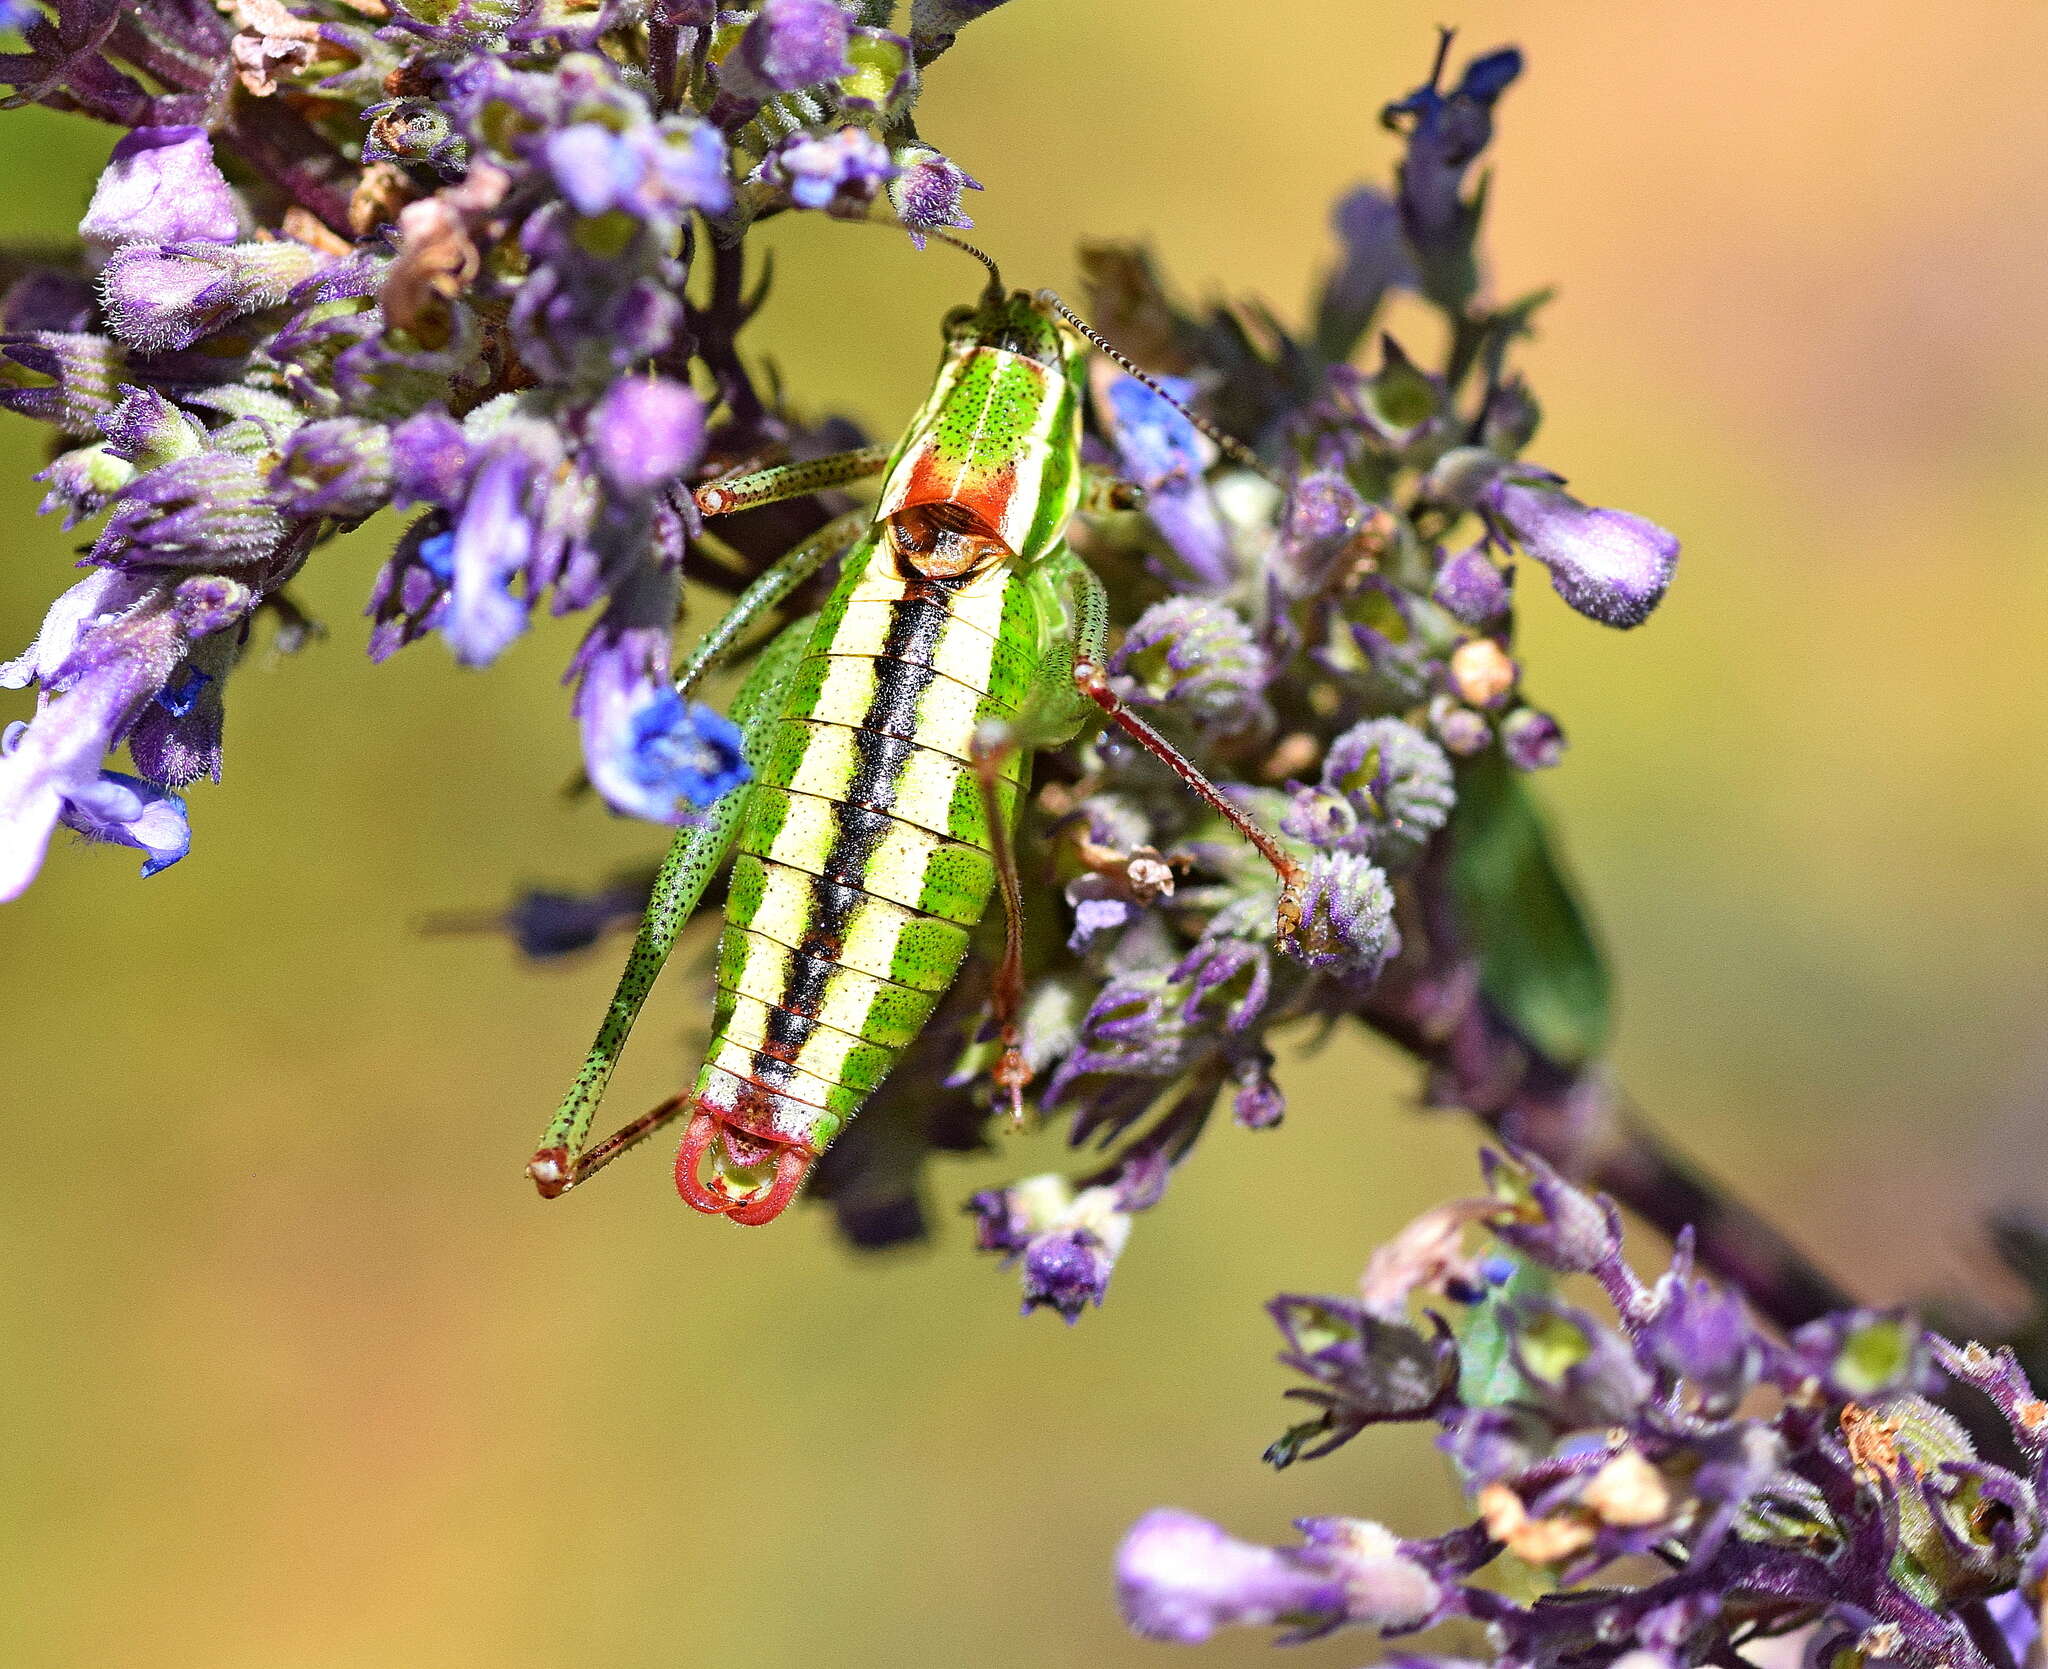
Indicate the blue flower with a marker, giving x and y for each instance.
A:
(686, 750)
(1161, 451)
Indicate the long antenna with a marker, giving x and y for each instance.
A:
(995, 278)
(1231, 447)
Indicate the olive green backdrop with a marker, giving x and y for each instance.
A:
(297, 1373)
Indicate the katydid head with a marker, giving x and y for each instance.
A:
(991, 468)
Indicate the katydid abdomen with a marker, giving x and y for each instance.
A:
(865, 859)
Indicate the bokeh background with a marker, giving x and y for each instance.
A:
(296, 1370)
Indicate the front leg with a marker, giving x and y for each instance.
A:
(784, 481)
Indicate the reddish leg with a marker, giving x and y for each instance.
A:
(554, 1173)
(1012, 1072)
(1093, 683)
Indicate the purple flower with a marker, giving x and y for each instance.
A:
(926, 192)
(1609, 565)
(1393, 789)
(839, 171)
(1446, 133)
(789, 44)
(1375, 261)
(161, 297)
(1258, 1104)
(71, 378)
(209, 509)
(646, 433)
(1181, 1578)
(161, 185)
(106, 648)
(1067, 1270)
(1325, 532)
(1347, 918)
(430, 459)
(1065, 1243)
(1161, 451)
(495, 538)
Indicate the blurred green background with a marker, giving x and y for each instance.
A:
(298, 1372)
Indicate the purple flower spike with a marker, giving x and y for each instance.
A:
(926, 192)
(789, 44)
(1181, 1578)
(645, 433)
(1611, 566)
(161, 185)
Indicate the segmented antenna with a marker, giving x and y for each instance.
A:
(995, 277)
(1231, 447)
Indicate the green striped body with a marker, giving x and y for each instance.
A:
(863, 863)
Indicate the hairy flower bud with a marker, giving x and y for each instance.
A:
(1546, 1218)
(69, 379)
(339, 468)
(165, 296)
(1181, 1578)
(1471, 586)
(1396, 784)
(1610, 565)
(1347, 918)
(1532, 740)
(926, 192)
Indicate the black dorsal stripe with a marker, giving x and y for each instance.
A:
(883, 743)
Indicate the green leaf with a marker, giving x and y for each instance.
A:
(1538, 963)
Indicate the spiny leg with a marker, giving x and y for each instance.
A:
(1090, 636)
(693, 858)
(782, 481)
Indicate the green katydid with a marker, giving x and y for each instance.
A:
(888, 737)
